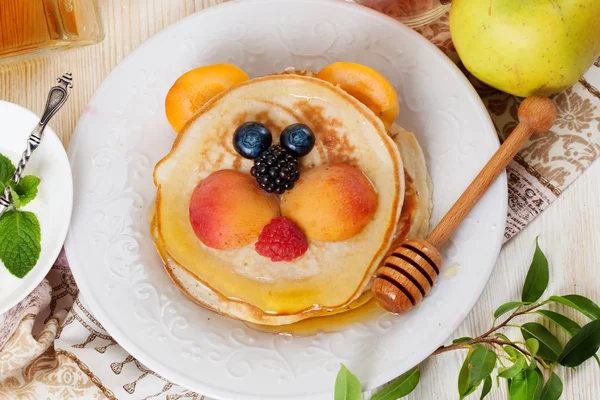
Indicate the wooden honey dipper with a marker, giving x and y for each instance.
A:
(408, 274)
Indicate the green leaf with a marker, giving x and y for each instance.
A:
(513, 354)
(7, 170)
(399, 387)
(471, 389)
(502, 336)
(462, 340)
(14, 195)
(567, 324)
(347, 385)
(514, 369)
(519, 360)
(481, 365)
(26, 189)
(524, 386)
(487, 386)
(533, 346)
(538, 276)
(20, 241)
(540, 383)
(478, 365)
(582, 304)
(506, 307)
(553, 388)
(463, 377)
(581, 346)
(597, 359)
(550, 347)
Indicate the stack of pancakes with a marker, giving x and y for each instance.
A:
(331, 277)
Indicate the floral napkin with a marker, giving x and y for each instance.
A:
(52, 347)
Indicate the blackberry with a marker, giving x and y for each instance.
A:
(276, 170)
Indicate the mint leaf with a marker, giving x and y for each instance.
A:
(26, 190)
(7, 170)
(14, 195)
(20, 241)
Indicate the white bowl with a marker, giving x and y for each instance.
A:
(53, 203)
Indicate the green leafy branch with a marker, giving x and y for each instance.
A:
(516, 362)
(20, 233)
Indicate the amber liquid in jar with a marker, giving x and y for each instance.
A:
(30, 27)
(412, 13)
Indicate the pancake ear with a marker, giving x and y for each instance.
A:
(367, 86)
(192, 90)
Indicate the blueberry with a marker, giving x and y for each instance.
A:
(298, 139)
(251, 138)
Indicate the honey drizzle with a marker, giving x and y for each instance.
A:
(327, 324)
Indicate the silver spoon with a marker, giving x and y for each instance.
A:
(56, 98)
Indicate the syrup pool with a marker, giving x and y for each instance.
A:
(369, 312)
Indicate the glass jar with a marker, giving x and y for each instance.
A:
(34, 27)
(412, 13)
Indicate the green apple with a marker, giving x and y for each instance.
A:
(526, 47)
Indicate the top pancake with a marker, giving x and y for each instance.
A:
(330, 275)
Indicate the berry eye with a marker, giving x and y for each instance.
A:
(298, 139)
(275, 168)
(251, 138)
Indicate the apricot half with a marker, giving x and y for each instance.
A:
(367, 86)
(228, 210)
(195, 88)
(332, 202)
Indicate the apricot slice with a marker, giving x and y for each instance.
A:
(367, 86)
(332, 202)
(228, 210)
(195, 88)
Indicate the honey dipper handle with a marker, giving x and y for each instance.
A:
(536, 114)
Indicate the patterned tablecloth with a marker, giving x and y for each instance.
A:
(52, 347)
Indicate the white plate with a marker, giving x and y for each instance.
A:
(124, 132)
(53, 203)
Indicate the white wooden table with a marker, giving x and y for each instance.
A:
(569, 229)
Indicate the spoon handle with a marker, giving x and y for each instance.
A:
(536, 115)
(56, 98)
